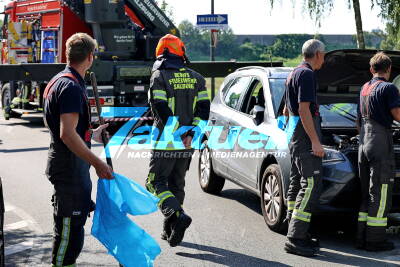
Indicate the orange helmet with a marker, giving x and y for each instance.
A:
(173, 44)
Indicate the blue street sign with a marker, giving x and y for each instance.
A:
(217, 21)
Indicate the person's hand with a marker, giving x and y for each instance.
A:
(187, 142)
(97, 133)
(285, 111)
(317, 149)
(103, 170)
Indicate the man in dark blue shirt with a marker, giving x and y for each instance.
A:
(67, 116)
(305, 149)
(379, 105)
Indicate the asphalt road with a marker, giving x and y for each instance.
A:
(227, 230)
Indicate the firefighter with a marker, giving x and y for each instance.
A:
(175, 91)
(305, 149)
(67, 116)
(378, 106)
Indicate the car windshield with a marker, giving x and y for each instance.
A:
(339, 115)
(277, 87)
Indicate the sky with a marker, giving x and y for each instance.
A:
(256, 17)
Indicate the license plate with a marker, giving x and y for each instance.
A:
(138, 88)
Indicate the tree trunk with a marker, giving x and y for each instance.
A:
(360, 33)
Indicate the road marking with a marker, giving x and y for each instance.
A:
(8, 207)
(17, 248)
(36, 248)
(15, 226)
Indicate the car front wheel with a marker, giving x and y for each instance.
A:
(209, 181)
(272, 204)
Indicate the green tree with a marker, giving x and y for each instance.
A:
(227, 48)
(196, 45)
(390, 12)
(197, 42)
(250, 51)
(167, 9)
(289, 45)
(318, 8)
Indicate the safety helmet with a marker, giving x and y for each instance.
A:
(173, 44)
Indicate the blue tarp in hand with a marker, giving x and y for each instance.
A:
(126, 241)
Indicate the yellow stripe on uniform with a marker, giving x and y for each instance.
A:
(171, 104)
(64, 242)
(382, 204)
(164, 196)
(375, 221)
(302, 215)
(291, 205)
(196, 121)
(307, 194)
(149, 183)
(160, 94)
(202, 95)
(362, 216)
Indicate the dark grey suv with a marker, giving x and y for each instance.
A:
(251, 99)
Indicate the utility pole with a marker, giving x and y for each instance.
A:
(212, 53)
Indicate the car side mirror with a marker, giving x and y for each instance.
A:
(258, 114)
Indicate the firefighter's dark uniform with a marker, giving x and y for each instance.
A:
(174, 91)
(68, 173)
(306, 169)
(376, 157)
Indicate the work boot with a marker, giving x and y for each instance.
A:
(179, 227)
(379, 246)
(167, 227)
(314, 242)
(301, 247)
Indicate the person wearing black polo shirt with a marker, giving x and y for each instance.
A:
(305, 149)
(379, 105)
(67, 116)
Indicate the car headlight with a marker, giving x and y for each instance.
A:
(332, 156)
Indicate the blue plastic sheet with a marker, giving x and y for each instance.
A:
(126, 241)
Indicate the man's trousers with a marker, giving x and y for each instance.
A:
(67, 239)
(376, 170)
(166, 180)
(305, 182)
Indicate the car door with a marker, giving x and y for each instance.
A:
(243, 165)
(223, 135)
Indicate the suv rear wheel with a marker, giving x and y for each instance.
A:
(272, 204)
(209, 181)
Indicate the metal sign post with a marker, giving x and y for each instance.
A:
(212, 53)
(213, 22)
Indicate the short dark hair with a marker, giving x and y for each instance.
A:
(380, 62)
(78, 47)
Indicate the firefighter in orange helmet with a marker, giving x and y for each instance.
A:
(178, 97)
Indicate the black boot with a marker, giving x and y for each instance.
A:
(299, 247)
(379, 246)
(314, 242)
(167, 227)
(179, 227)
